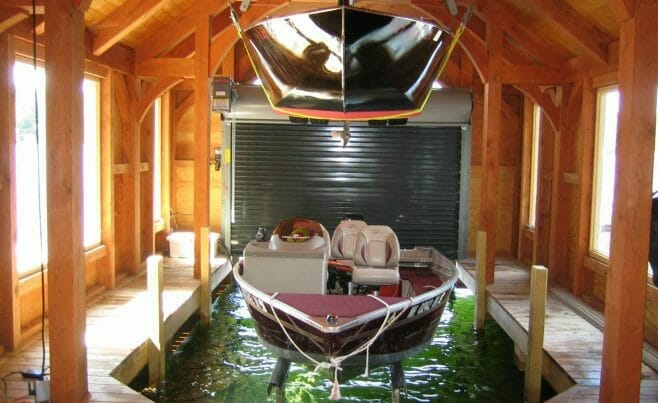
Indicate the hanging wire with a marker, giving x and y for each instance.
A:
(41, 248)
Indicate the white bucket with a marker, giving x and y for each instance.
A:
(181, 244)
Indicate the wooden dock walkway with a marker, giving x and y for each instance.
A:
(117, 332)
(572, 343)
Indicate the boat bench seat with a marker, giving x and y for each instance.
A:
(280, 266)
(376, 256)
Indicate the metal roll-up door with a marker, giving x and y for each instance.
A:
(403, 176)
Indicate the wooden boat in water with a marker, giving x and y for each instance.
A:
(346, 304)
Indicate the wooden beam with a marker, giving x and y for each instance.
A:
(593, 39)
(535, 349)
(66, 277)
(10, 318)
(122, 21)
(201, 138)
(623, 8)
(11, 17)
(157, 352)
(480, 281)
(147, 155)
(108, 272)
(491, 125)
(165, 67)
(544, 101)
(127, 192)
(171, 34)
(160, 87)
(25, 5)
(182, 109)
(530, 74)
(520, 33)
(631, 212)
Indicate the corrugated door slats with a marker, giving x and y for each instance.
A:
(401, 176)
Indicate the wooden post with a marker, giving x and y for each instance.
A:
(65, 49)
(205, 299)
(147, 155)
(201, 137)
(108, 272)
(490, 143)
(538, 287)
(155, 287)
(480, 280)
(10, 330)
(626, 286)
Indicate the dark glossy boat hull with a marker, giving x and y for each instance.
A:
(347, 63)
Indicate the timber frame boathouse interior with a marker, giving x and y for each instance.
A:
(558, 175)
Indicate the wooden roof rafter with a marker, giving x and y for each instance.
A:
(122, 21)
(591, 37)
(519, 33)
(25, 5)
(173, 33)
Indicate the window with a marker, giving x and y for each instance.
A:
(31, 220)
(30, 168)
(91, 164)
(157, 160)
(534, 166)
(604, 170)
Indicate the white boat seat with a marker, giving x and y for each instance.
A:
(344, 238)
(376, 256)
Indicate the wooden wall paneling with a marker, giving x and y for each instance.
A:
(147, 234)
(10, 330)
(64, 123)
(107, 275)
(490, 143)
(631, 212)
(582, 278)
(524, 188)
(201, 137)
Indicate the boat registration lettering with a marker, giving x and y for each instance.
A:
(423, 307)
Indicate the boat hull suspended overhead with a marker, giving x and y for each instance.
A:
(346, 63)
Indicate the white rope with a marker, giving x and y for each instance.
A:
(336, 362)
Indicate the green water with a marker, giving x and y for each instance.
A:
(225, 362)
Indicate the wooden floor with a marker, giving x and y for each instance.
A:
(116, 333)
(572, 344)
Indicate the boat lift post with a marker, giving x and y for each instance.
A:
(480, 280)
